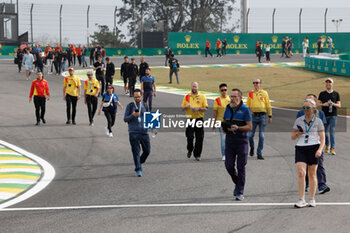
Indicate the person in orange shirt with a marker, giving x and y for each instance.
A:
(79, 54)
(207, 49)
(74, 53)
(218, 48)
(40, 90)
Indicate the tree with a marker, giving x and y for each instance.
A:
(107, 38)
(178, 15)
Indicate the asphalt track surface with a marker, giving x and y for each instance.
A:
(93, 170)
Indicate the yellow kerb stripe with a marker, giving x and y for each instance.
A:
(11, 190)
(22, 177)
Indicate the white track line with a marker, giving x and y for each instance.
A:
(166, 206)
(47, 177)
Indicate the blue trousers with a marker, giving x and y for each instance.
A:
(261, 122)
(330, 130)
(137, 140)
(236, 153)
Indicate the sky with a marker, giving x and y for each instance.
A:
(46, 23)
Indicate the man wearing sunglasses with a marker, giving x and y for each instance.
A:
(219, 108)
(259, 103)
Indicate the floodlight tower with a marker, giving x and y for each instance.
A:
(244, 16)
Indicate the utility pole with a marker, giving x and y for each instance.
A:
(87, 26)
(61, 24)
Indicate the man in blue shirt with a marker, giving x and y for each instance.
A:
(148, 88)
(321, 172)
(138, 135)
(237, 122)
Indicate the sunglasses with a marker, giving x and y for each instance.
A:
(306, 107)
(222, 90)
(328, 82)
(255, 82)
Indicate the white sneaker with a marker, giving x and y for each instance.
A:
(312, 202)
(110, 135)
(300, 204)
(223, 158)
(106, 131)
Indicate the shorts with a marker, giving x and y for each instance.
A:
(125, 79)
(306, 154)
(29, 67)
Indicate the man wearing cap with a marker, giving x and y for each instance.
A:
(91, 90)
(259, 103)
(330, 102)
(71, 94)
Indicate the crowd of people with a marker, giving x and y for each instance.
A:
(313, 129)
(56, 57)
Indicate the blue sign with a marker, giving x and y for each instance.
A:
(152, 120)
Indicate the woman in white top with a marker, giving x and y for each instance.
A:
(28, 60)
(308, 130)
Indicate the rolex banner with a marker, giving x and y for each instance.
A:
(194, 43)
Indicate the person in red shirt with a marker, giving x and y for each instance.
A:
(79, 54)
(40, 90)
(218, 48)
(207, 49)
(74, 52)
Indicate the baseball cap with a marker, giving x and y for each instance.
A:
(329, 79)
(89, 73)
(71, 68)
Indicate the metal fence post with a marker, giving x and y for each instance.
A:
(61, 24)
(325, 20)
(273, 20)
(31, 22)
(247, 21)
(87, 26)
(301, 10)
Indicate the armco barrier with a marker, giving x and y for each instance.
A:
(330, 66)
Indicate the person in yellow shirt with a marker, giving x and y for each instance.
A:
(91, 90)
(71, 94)
(195, 105)
(259, 103)
(219, 108)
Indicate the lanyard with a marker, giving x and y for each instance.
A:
(138, 107)
(307, 130)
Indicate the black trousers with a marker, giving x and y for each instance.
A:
(57, 66)
(191, 134)
(39, 103)
(223, 50)
(109, 81)
(132, 82)
(91, 60)
(218, 52)
(267, 56)
(79, 60)
(166, 59)
(91, 102)
(74, 58)
(207, 50)
(19, 66)
(101, 79)
(71, 100)
(110, 116)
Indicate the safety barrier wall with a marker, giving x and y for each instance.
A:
(331, 66)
